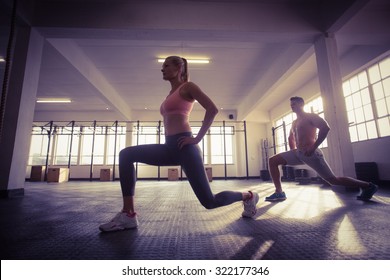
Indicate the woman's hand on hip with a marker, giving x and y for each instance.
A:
(186, 140)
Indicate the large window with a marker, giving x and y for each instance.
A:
(83, 145)
(92, 145)
(282, 130)
(221, 144)
(38, 146)
(367, 97)
(216, 146)
(118, 136)
(100, 144)
(66, 145)
(143, 135)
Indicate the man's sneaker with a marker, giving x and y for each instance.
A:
(367, 193)
(250, 205)
(276, 197)
(121, 221)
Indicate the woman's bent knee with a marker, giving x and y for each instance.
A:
(208, 205)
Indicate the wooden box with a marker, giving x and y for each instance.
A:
(173, 174)
(105, 174)
(57, 175)
(37, 173)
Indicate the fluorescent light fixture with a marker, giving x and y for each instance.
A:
(190, 60)
(53, 100)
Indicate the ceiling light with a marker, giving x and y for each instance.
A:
(2, 59)
(54, 100)
(190, 60)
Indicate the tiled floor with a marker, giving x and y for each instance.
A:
(60, 221)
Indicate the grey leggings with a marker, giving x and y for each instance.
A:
(168, 154)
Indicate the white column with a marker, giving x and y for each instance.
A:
(340, 153)
(19, 110)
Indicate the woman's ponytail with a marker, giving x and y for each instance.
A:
(184, 74)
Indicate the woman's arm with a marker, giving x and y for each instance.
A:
(192, 91)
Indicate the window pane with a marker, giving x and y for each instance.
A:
(346, 88)
(384, 126)
(98, 150)
(86, 149)
(365, 94)
(368, 114)
(357, 102)
(353, 133)
(38, 150)
(384, 67)
(381, 108)
(63, 149)
(359, 115)
(378, 91)
(386, 86)
(363, 82)
(351, 117)
(373, 74)
(362, 132)
(349, 103)
(371, 130)
(388, 104)
(354, 84)
(111, 152)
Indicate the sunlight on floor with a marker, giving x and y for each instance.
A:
(306, 203)
(264, 248)
(348, 240)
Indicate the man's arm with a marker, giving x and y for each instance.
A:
(323, 130)
(291, 138)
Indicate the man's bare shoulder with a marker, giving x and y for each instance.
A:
(316, 120)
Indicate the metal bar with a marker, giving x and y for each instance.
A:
(136, 164)
(70, 149)
(224, 149)
(284, 135)
(115, 141)
(159, 141)
(48, 149)
(246, 152)
(93, 146)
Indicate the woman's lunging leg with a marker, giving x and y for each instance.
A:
(192, 164)
(154, 154)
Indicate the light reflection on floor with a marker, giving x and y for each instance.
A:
(306, 202)
(348, 240)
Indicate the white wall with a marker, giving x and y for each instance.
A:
(376, 150)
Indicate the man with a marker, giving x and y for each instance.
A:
(304, 142)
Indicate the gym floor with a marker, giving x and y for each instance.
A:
(59, 221)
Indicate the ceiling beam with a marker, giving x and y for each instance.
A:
(284, 63)
(73, 53)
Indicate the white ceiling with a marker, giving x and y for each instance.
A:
(103, 54)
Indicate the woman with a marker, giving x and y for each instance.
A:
(180, 148)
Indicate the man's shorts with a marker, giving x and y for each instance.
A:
(315, 161)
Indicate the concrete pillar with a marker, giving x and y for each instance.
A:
(340, 153)
(19, 110)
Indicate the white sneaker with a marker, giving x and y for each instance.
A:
(250, 206)
(121, 221)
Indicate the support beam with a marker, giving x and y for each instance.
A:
(19, 111)
(340, 148)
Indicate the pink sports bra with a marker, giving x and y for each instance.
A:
(175, 104)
